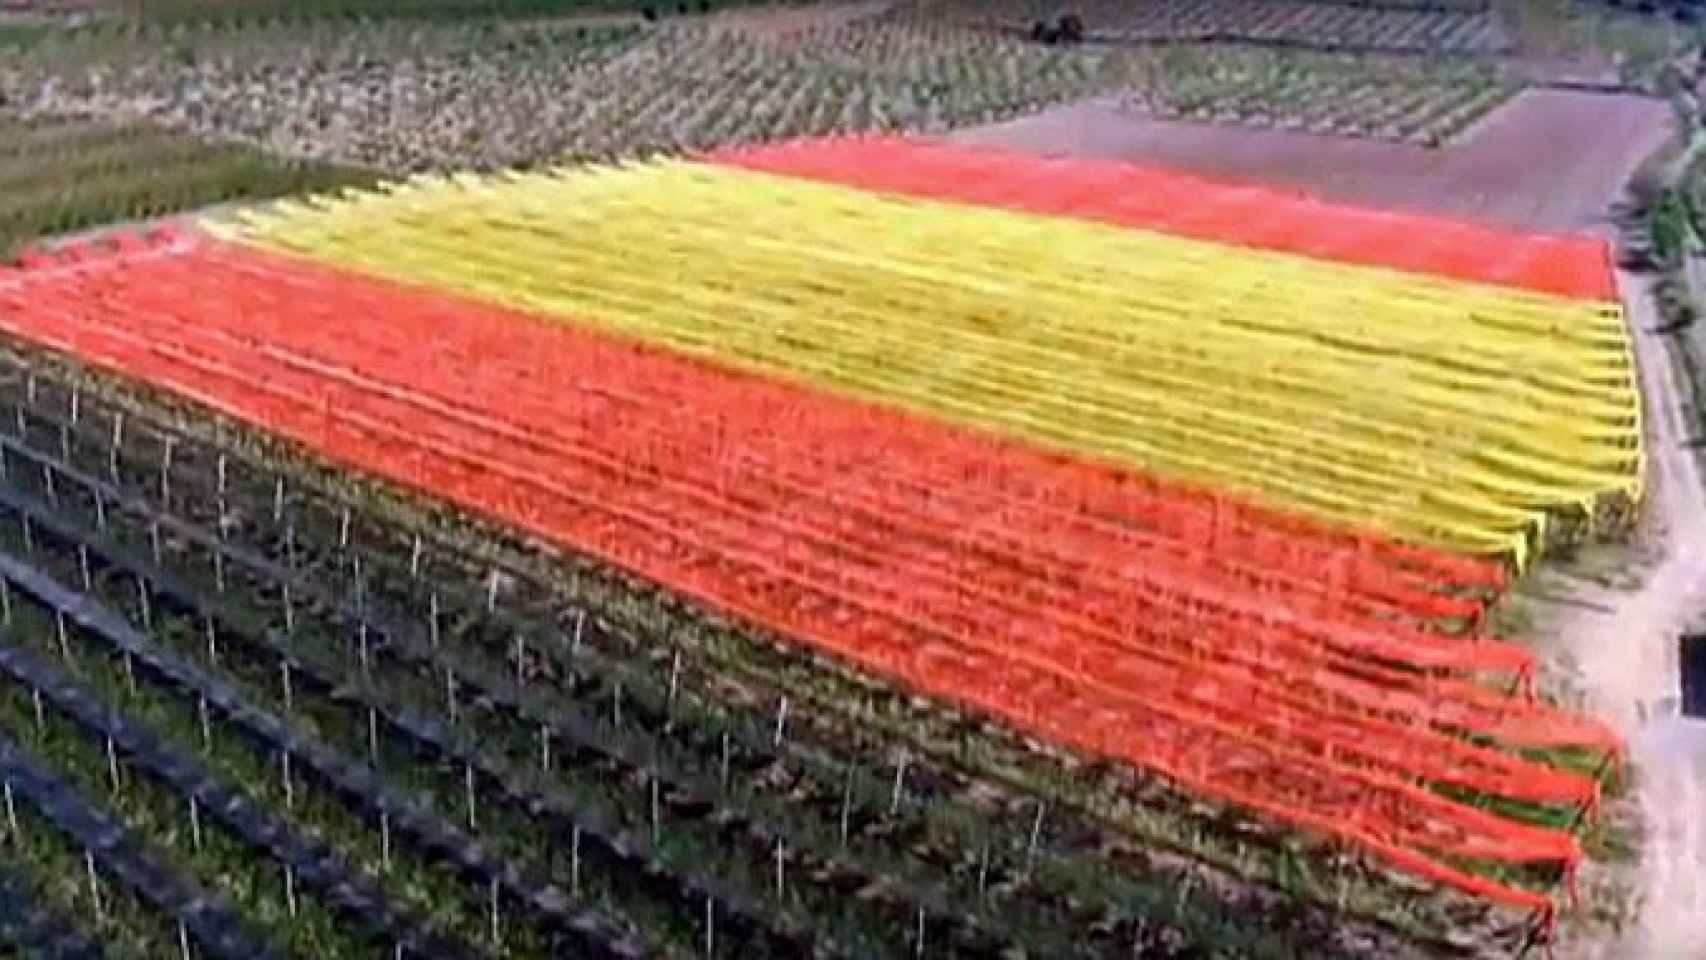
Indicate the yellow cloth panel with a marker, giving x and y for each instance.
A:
(1445, 413)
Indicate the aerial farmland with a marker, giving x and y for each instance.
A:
(931, 478)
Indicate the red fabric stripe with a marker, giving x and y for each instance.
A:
(1153, 198)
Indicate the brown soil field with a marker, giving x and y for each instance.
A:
(1549, 160)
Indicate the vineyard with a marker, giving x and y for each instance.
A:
(1436, 28)
(256, 11)
(931, 552)
(405, 96)
(60, 174)
(1335, 94)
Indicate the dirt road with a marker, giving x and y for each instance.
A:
(1549, 160)
(1624, 647)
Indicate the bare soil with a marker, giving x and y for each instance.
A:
(1549, 160)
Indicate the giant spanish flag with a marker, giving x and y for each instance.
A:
(1207, 478)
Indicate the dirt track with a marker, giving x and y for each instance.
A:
(1549, 160)
(1608, 620)
(1629, 666)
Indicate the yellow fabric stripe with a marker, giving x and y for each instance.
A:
(1451, 414)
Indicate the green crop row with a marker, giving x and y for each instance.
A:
(208, 852)
(1387, 98)
(125, 925)
(85, 174)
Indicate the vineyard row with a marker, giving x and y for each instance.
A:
(569, 743)
(681, 674)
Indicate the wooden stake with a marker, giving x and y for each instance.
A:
(195, 824)
(12, 813)
(94, 887)
(284, 681)
(130, 672)
(780, 888)
(616, 706)
(468, 791)
(656, 813)
(213, 647)
(415, 559)
(723, 776)
(142, 602)
(492, 591)
(373, 737)
(983, 870)
(919, 950)
(100, 506)
(83, 565)
(450, 695)
(360, 586)
(496, 930)
(29, 535)
(1036, 833)
(385, 840)
(166, 472)
(520, 661)
(76, 403)
(278, 499)
(846, 803)
(112, 766)
(64, 639)
(781, 721)
(575, 861)
(544, 748)
(899, 780)
(206, 726)
(118, 441)
(343, 530)
(289, 611)
(219, 571)
(5, 602)
(290, 890)
(41, 716)
(47, 482)
(432, 617)
(710, 926)
(154, 540)
(288, 780)
(183, 941)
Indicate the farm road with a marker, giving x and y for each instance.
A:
(1625, 649)
(1548, 160)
